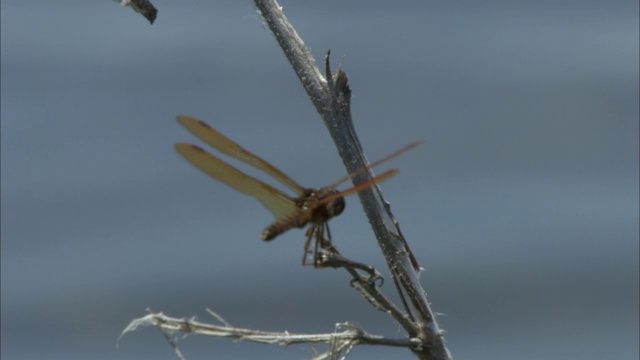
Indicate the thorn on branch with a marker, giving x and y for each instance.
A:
(338, 83)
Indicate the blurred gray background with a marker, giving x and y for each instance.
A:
(522, 206)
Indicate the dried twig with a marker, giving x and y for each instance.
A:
(331, 96)
(345, 336)
(366, 286)
(144, 7)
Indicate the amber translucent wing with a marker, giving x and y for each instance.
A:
(277, 202)
(228, 147)
(363, 185)
(376, 163)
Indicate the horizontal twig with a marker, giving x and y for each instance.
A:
(345, 336)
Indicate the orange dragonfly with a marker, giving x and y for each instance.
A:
(311, 206)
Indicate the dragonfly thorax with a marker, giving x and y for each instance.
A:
(322, 211)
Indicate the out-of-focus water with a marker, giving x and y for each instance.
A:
(522, 206)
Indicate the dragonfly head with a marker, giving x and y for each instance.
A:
(333, 207)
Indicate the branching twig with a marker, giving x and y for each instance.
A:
(331, 97)
(366, 286)
(342, 340)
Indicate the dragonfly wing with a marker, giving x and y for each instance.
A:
(361, 186)
(277, 202)
(227, 146)
(376, 163)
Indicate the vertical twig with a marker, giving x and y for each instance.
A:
(331, 97)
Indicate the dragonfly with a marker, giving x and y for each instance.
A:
(310, 206)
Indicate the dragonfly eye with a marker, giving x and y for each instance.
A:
(335, 207)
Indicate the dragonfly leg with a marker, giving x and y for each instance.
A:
(309, 234)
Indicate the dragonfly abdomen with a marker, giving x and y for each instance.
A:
(295, 220)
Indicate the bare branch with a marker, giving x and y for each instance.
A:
(345, 336)
(331, 96)
(366, 286)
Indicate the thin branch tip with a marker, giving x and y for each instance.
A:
(143, 7)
